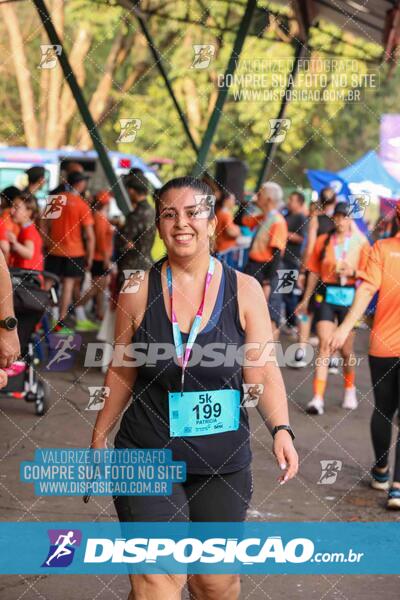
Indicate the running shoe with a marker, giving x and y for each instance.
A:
(350, 401)
(393, 501)
(289, 331)
(86, 325)
(333, 365)
(379, 480)
(298, 361)
(61, 329)
(315, 406)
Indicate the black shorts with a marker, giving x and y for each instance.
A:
(257, 270)
(98, 269)
(64, 266)
(330, 312)
(200, 498)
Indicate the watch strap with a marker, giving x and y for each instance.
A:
(285, 428)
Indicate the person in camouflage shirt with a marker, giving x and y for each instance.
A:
(136, 237)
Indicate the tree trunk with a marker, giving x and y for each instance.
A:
(56, 79)
(68, 107)
(43, 94)
(23, 75)
(99, 99)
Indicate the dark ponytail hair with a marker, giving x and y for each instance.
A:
(326, 244)
(179, 183)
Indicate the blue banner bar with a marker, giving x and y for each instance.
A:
(245, 548)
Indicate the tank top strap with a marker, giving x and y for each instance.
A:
(230, 309)
(155, 288)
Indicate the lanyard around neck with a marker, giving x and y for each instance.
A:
(183, 357)
(341, 250)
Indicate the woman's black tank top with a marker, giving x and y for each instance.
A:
(145, 423)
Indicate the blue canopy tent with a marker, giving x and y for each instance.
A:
(366, 175)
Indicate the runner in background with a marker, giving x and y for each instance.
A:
(70, 245)
(226, 232)
(297, 223)
(268, 246)
(36, 180)
(104, 232)
(382, 274)
(337, 261)
(319, 222)
(69, 167)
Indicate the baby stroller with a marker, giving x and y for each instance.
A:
(30, 304)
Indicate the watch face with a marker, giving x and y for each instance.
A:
(11, 323)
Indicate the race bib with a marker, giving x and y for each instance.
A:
(203, 413)
(341, 296)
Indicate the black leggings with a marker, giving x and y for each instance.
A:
(385, 375)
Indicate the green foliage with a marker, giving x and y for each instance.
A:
(323, 134)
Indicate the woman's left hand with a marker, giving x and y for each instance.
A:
(345, 269)
(286, 455)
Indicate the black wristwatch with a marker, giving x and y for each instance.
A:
(286, 428)
(9, 323)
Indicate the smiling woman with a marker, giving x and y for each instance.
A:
(194, 409)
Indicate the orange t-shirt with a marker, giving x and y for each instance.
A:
(224, 220)
(66, 238)
(103, 231)
(272, 233)
(9, 224)
(383, 273)
(356, 256)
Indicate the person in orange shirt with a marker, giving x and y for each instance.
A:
(4, 243)
(6, 198)
(226, 232)
(70, 242)
(104, 233)
(336, 262)
(382, 274)
(268, 246)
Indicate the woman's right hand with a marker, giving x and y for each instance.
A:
(100, 443)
